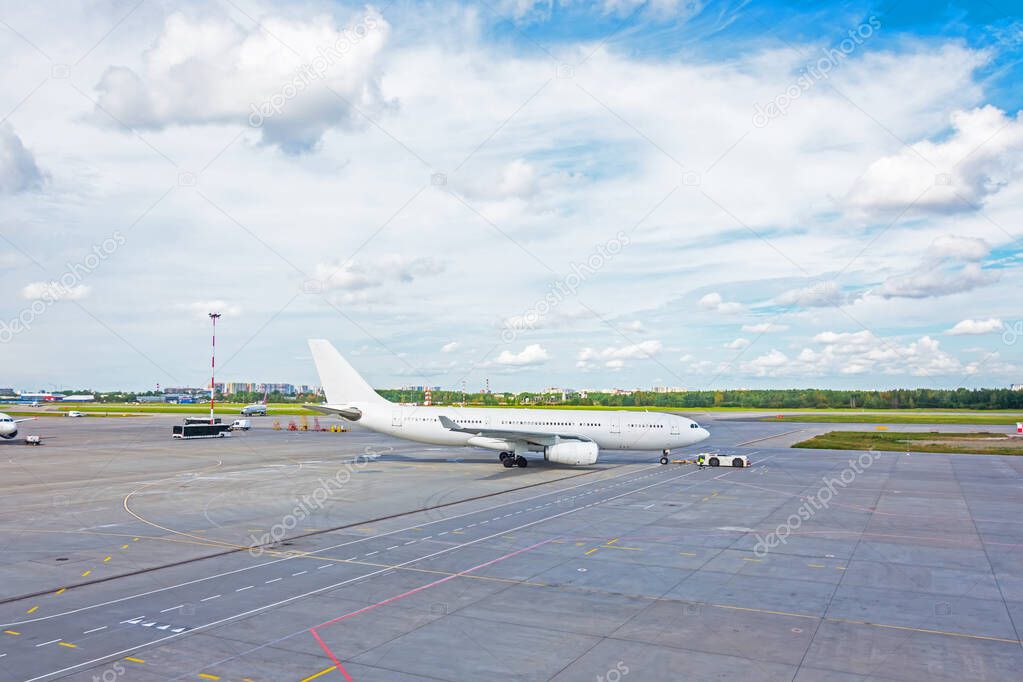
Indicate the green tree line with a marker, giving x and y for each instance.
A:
(903, 398)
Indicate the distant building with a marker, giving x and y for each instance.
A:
(561, 394)
(184, 391)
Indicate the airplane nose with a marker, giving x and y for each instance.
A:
(704, 433)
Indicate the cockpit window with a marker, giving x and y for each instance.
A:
(694, 425)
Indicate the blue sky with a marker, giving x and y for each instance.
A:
(752, 199)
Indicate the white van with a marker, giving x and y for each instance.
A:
(241, 425)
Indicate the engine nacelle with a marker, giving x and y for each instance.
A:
(575, 454)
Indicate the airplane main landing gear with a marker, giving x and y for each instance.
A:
(510, 459)
(664, 456)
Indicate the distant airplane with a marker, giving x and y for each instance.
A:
(257, 408)
(572, 437)
(9, 425)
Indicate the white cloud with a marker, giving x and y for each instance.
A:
(54, 291)
(937, 282)
(764, 328)
(713, 301)
(531, 355)
(954, 175)
(355, 276)
(959, 248)
(816, 295)
(614, 357)
(450, 347)
(634, 326)
(976, 327)
(212, 70)
(18, 169)
(737, 344)
(950, 266)
(857, 353)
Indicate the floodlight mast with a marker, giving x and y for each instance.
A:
(213, 365)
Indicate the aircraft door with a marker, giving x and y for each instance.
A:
(615, 427)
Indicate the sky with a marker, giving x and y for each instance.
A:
(591, 195)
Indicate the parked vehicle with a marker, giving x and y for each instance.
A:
(75, 413)
(241, 425)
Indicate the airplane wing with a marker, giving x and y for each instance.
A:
(531, 437)
(26, 419)
(346, 411)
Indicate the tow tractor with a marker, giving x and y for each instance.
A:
(716, 459)
(712, 459)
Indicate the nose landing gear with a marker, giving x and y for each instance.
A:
(664, 456)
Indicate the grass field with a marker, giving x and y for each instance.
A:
(905, 417)
(980, 443)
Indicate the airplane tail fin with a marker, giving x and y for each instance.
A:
(341, 383)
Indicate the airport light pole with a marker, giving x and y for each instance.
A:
(213, 365)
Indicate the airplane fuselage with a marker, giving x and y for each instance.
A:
(609, 429)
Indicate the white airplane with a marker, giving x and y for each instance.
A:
(9, 425)
(572, 437)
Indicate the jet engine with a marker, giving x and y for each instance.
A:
(576, 454)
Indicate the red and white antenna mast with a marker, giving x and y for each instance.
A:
(213, 364)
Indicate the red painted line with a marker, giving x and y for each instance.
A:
(330, 653)
(391, 600)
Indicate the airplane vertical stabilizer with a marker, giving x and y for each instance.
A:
(341, 383)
